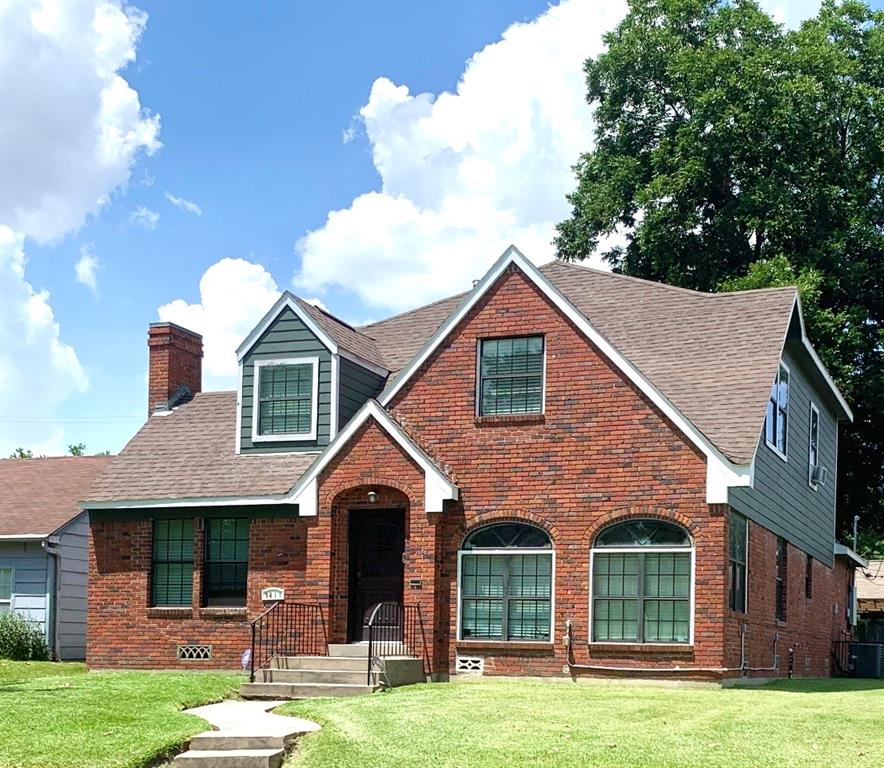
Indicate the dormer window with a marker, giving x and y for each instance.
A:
(285, 408)
(777, 422)
(511, 376)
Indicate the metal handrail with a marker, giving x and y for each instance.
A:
(287, 629)
(395, 630)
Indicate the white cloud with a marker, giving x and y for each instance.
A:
(144, 217)
(465, 174)
(72, 126)
(71, 132)
(86, 269)
(791, 13)
(184, 205)
(37, 369)
(234, 295)
(317, 303)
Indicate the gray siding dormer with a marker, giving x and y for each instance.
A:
(782, 500)
(358, 384)
(287, 337)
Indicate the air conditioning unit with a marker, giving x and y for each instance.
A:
(818, 475)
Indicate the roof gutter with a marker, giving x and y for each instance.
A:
(24, 536)
(841, 550)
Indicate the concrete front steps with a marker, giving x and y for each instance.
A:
(344, 672)
(248, 737)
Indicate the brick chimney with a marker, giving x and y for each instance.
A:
(175, 360)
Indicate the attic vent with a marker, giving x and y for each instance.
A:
(194, 652)
(469, 665)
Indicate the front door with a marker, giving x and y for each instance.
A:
(377, 543)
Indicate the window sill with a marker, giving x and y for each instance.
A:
(505, 645)
(224, 612)
(511, 419)
(667, 648)
(170, 612)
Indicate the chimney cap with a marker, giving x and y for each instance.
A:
(166, 324)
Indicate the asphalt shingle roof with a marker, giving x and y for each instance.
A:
(38, 496)
(713, 356)
(191, 453)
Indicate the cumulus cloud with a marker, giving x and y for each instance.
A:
(86, 269)
(465, 174)
(143, 216)
(234, 295)
(185, 205)
(71, 132)
(37, 369)
(791, 13)
(71, 126)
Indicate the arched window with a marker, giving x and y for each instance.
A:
(642, 582)
(505, 579)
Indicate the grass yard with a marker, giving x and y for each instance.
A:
(510, 724)
(58, 716)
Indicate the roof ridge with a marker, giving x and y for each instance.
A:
(327, 313)
(361, 328)
(659, 284)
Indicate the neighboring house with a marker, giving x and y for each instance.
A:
(567, 471)
(44, 539)
(870, 601)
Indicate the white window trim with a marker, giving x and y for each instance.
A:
(810, 464)
(652, 550)
(773, 446)
(3, 600)
(479, 343)
(509, 551)
(314, 404)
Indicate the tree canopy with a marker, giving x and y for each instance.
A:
(731, 153)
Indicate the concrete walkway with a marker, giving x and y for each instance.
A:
(248, 736)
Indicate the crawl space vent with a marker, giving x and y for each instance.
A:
(194, 652)
(469, 665)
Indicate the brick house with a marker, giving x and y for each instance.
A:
(560, 472)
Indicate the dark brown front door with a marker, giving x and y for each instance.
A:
(377, 543)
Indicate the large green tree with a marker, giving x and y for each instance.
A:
(727, 148)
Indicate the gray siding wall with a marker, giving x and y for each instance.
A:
(287, 337)
(782, 500)
(71, 588)
(357, 385)
(30, 580)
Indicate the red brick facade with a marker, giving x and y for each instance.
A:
(601, 452)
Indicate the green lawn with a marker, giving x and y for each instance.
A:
(58, 716)
(511, 724)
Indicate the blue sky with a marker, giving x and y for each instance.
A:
(186, 161)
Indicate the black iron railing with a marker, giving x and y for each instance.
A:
(287, 629)
(395, 630)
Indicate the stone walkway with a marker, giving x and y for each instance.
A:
(248, 736)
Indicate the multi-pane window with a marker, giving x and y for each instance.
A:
(776, 425)
(738, 531)
(172, 563)
(226, 566)
(641, 583)
(5, 590)
(286, 399)
(511, 376)
(506, 584)
(781, 579)
(813, 445)
(808, 577)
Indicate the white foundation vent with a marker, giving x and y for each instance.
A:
(469, 665)
(194, 652)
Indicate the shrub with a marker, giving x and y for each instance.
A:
(21, 640)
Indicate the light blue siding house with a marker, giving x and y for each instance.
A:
(44, 552)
